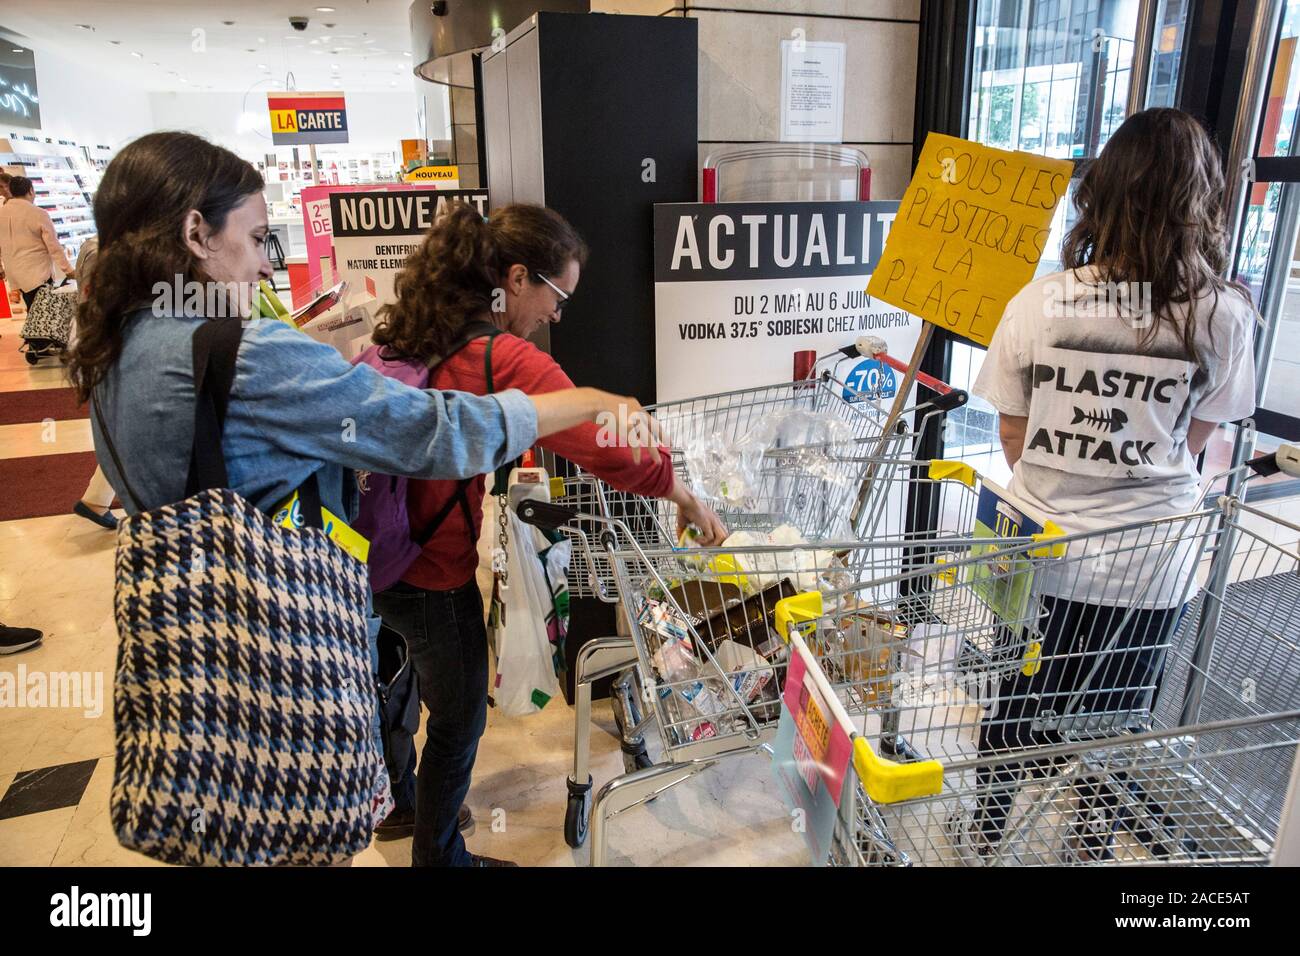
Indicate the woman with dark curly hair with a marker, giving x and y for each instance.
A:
(493, 281)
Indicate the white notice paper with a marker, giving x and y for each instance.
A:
(812, 92)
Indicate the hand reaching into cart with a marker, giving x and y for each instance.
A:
(693, 513)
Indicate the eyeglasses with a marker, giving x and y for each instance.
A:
(562, 297)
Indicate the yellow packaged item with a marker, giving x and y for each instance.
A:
(288, 514)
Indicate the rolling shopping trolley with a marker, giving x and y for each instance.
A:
(1040, 731)
(809, 487)
(704, 624)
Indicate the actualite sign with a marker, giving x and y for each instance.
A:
(741, 287)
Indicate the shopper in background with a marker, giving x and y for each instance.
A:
(1109, 379)
(29, 246)
(173, 208)
(514, 271)
(97, 502)
(5, 180)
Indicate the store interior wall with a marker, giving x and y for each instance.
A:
(740, 71)
(81, 104)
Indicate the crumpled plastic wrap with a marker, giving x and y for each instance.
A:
(807, 443)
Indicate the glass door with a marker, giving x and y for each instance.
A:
(1051, 77)
(1267, 254)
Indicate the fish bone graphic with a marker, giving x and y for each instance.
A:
(1111, 422)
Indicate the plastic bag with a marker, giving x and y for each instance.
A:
(802, 442)
(525, 679)
(802, 566)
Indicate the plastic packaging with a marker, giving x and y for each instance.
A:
(804, 442)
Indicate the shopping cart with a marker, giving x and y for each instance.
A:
(809, 487)
(702, 625)
(1040, 732)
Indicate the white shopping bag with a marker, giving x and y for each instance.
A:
(525, 679)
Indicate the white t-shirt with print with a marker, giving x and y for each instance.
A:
(1106, 438)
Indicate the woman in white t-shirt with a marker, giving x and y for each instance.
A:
(1109, 378)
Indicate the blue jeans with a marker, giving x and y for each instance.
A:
(446, 635)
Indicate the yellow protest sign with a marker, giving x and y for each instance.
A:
(970, 230)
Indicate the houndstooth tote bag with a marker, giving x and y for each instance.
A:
(243, 701)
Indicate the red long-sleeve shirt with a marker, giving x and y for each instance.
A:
(451, 557)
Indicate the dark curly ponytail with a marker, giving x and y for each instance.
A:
(454, 275)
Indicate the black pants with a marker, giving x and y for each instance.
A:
(1128, 657)
(446, 635)
(30, 297)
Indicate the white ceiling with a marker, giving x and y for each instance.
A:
(186, 45)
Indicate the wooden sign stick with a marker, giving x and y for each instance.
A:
(891, 421)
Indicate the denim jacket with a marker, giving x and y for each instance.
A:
(296, 407)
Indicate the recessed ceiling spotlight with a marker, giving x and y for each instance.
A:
(251, 49)
(324, 9)
(115, 42)
(263, 66)
(406, 53)
(228, 23)
(261, 39)
(83, 26)
(138, 56)
(330, 26)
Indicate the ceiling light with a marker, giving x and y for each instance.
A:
(406, 53)
(261, 39)
(324, 9)
(138, 56)
(84, 26)
(115, 42)
(20, 50)
(229, 23)
(263, 66)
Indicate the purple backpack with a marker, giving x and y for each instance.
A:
(383, 517)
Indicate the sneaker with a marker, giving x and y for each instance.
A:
(968, 840)
(15, 639)
(476, 860)
(395, 826)
(105, 520)
(465, 820)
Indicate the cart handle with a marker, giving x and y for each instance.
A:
(1286, 459)
(545, 514)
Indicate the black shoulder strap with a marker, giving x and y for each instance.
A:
(474, 329)
(112, 451)
(215, 349)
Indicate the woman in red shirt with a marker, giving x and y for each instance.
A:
(516, 270)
